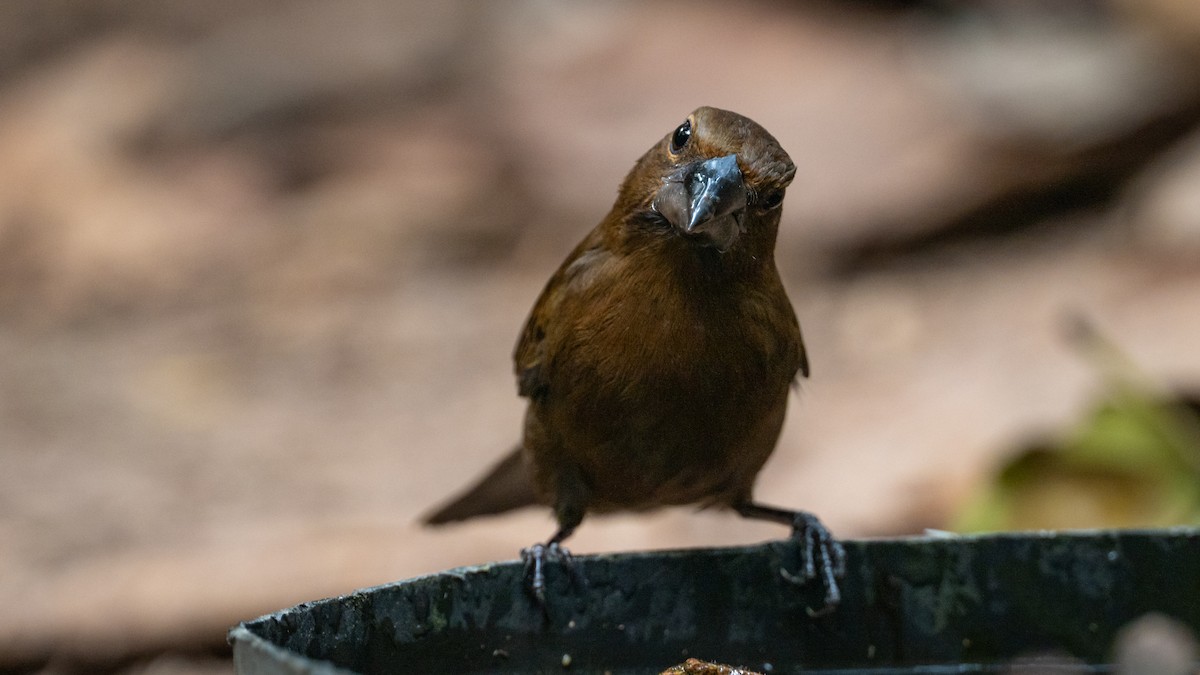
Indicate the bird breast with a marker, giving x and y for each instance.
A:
(676, 386)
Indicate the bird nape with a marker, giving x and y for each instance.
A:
(658, 359)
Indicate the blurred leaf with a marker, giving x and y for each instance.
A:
(1120, 468)
(1134, 462)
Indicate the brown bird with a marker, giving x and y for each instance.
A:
(658, 359)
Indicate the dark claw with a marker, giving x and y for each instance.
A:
(568, 562)
(822, 554)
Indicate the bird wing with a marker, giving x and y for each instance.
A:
(531, 382)
(529, 356)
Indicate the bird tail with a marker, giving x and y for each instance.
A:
(507, 486)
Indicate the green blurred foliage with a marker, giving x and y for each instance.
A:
(1133, 462)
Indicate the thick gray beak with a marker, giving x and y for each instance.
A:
(705, 200)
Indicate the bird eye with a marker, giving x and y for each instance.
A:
(681, 137)
(772, 199)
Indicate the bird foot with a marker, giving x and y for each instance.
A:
(535, 558)
(823, 555)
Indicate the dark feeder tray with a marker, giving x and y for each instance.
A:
(920, 605)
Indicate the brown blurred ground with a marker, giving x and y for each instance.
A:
(262, 265)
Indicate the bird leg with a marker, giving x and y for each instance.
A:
(822, 554)
(535, 558)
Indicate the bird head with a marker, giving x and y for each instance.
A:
(717, 179)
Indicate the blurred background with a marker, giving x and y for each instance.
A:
(262, 266)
